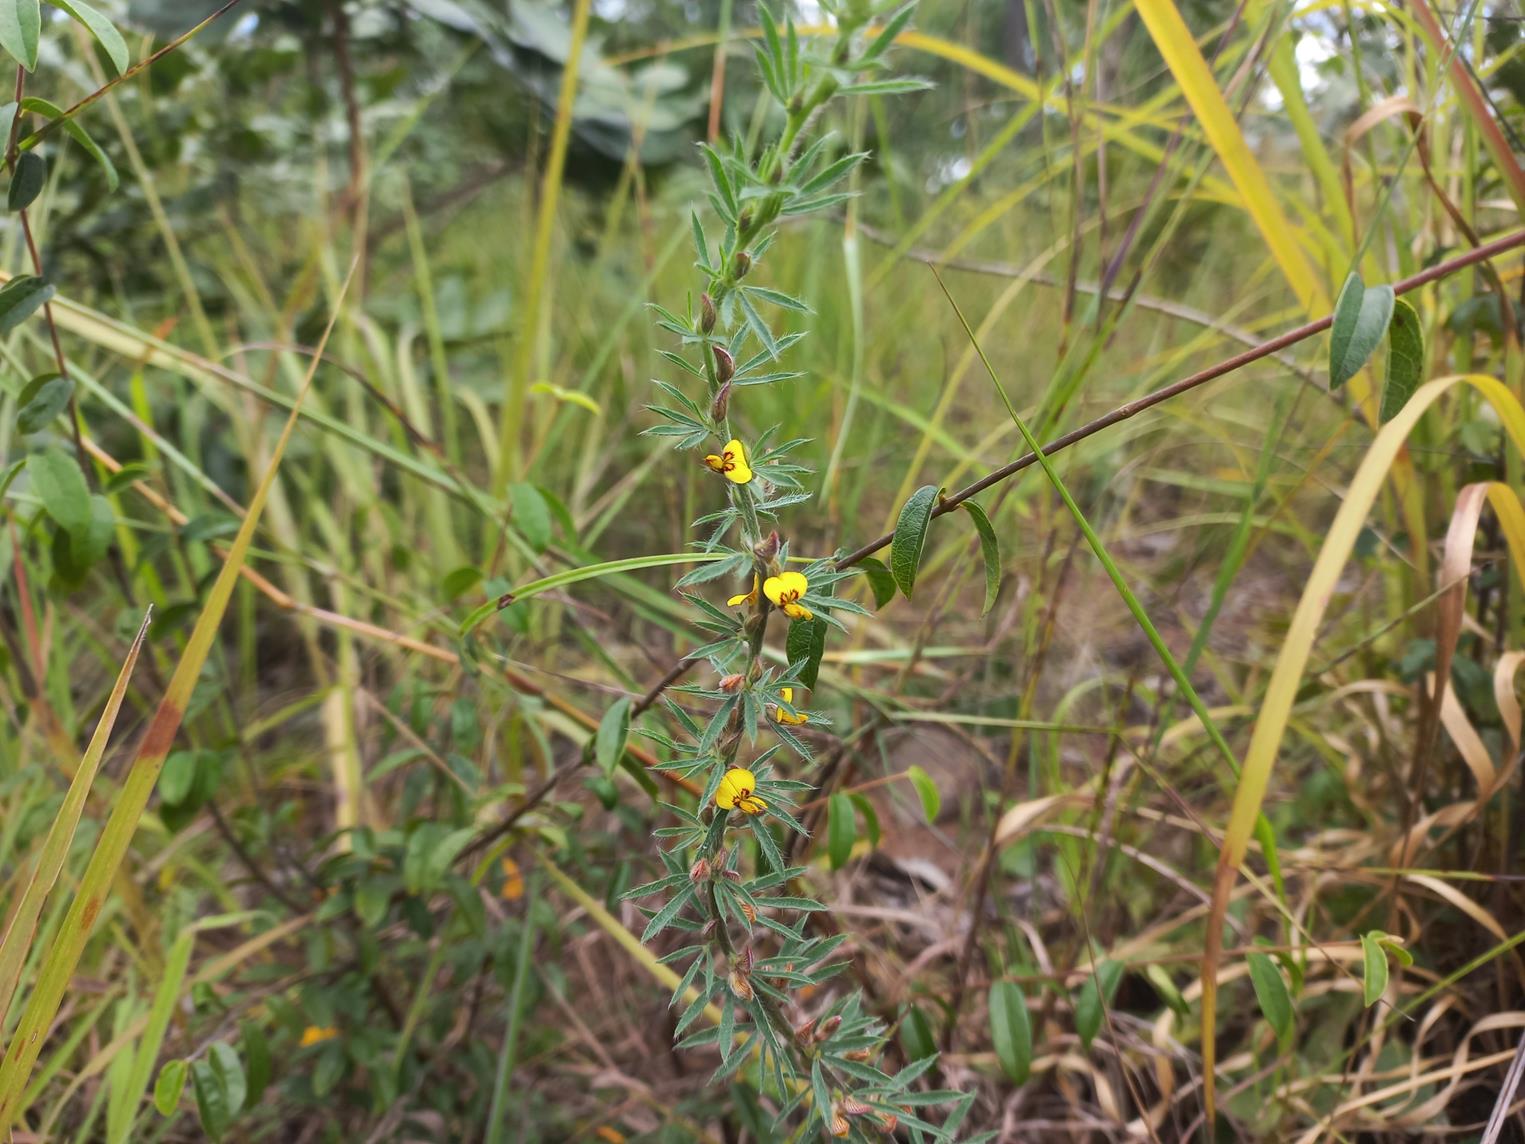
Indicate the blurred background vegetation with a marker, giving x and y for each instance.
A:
(376, 892)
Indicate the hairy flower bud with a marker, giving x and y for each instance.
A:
(740, 985)
(732, 683)
(722, 403)
(749, 912)
(805, 1033)
(699, 871)
(766, 549)
(888, 1122)
(743, 264)
(839, 1126)
(725, 364)
(851, 1107)
(828, 1027)
(706, 313)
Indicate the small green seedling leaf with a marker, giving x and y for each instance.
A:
(1360, 320)
(1094, 995)
(532, 516)
(1011, 1031)
(1271, 992)
(1376, 948)
(169, 1086)
(990, 549)
(841, 830)
(43, 398)
(880, 582)
(613, 731)
(22, 297)
(61, 488)
(911, 536)
(807, 643)
(27, 181)
(926, 790)
(1405, 359)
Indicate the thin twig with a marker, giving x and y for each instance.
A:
(1138, 405)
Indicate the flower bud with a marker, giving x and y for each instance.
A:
(859, 1055)
(828, 1027)
(744, 220)
(699, 871)
(742, 265)
(766, 550)
(732, 683)
(722, 403)
(888, 1122)
(749, 912)
(725, 364)
(740, 985)
(851, 1107)
(706, 313)
(730, 875)
(839, 1126)
(805, 1033)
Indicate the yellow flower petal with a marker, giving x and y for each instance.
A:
(798, 612)
(785, 588)
(782, 716)
(731, 462)
(745, 597)
(739, 471)
(735, 792)
(313, 1034)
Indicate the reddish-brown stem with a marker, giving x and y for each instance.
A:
(1138, 405)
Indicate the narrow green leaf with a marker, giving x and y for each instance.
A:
(916, 1035)
(20, 27)
(22, 297)
(926, 790)
(880, 582)
(1374, 967)
(990, 549)
(43, 398)
(613, 732)
(586, 572)
(1167, 990)
(77, 133)
(169, 1086)
(807, 642)
(260, 1066)
(911, 536)
(1093, 997)
(1271, 992)
(61, 488)
(27, 181)
(841, 830)
(1405, 359)
(102, 29)
(1011, 1031)
(1361, 316)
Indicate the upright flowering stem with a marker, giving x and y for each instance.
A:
(747, 954)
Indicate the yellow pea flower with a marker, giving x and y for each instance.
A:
(731, 463)
(735, 792)
(314, 1034)
(745, 597)
(784, 590)
(787, 694)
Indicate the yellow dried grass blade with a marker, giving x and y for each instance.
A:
(1184, 59)
(58, 967)
(22, 925)
(1293, 658)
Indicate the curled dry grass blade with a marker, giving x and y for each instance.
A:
(1295, 649)
(58, 965)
